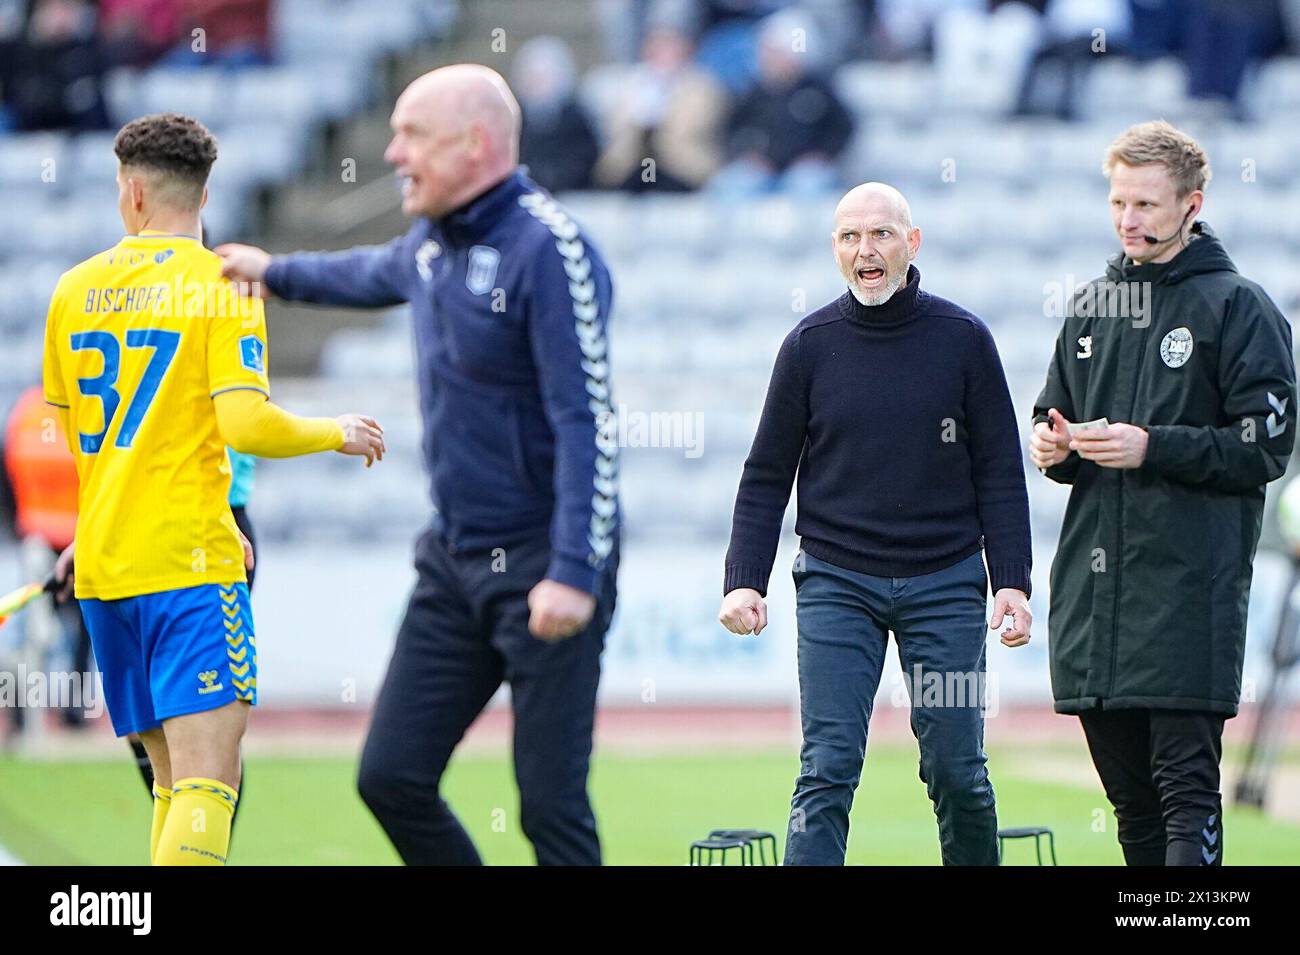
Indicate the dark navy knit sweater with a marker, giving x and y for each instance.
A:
(899, 422)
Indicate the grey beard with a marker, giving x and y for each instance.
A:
(881, 297)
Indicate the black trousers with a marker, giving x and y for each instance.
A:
(1160, 770)
(466, 631)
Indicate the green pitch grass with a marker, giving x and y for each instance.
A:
(305, 811)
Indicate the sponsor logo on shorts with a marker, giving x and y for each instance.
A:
(208, 679)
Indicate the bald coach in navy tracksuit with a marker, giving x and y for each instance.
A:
(510, 302)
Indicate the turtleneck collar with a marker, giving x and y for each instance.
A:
(899, 309)
(470, 221)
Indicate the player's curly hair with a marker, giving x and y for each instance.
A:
(177, 146)
(1159, 142)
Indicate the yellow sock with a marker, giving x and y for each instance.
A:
(162, 800)
(197, 830)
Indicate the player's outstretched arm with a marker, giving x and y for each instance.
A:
(250, 423)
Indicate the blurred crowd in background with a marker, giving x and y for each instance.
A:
(732, 94)
(736, 94)
(55, 54)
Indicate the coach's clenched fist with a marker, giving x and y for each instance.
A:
(1050, 443)
(557, 611)
(743, 611)
(245, 263)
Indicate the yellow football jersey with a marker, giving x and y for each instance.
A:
(137, 341)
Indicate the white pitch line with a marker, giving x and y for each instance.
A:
(7, 859)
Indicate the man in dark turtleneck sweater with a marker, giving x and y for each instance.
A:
(891, 405)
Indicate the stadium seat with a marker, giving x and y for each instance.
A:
(203, 94)
(906, 90)
(93, 160)
(272, 95)
(1276, 92)
(33, 162)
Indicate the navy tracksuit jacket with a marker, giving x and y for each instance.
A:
(510, 304)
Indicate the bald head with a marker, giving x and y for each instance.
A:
(468, 95)
(455, 134)
(874, 241)
(877, 199)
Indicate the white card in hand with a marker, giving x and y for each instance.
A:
(1096, 424)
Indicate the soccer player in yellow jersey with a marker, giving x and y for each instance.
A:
(157, 364)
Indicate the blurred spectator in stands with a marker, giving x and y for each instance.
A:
(1074, 35)
(1157, 28)
(728, 31)
(1223, 39)
(557, 145)
(672, 113)
(787, 132)
(137, 33)
(52, 74)
(228, 33)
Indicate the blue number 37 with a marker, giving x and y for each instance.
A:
(103, 385)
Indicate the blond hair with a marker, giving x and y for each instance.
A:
(1159, 142)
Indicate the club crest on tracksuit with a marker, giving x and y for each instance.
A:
(482, 271)
(1176, 347)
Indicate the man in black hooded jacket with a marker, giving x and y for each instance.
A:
(1181, 373)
